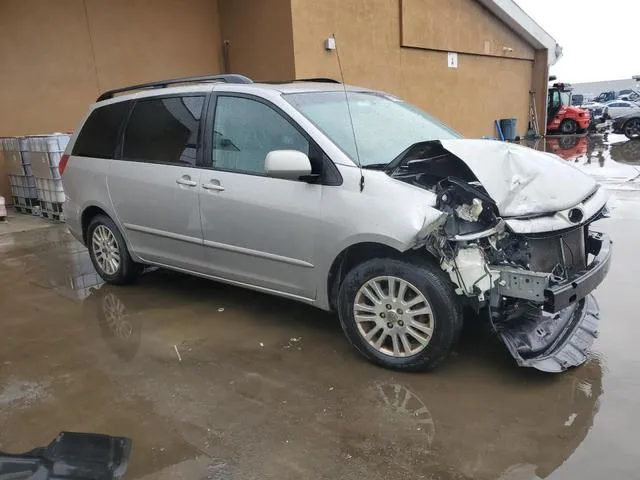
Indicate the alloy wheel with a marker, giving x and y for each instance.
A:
(106, 250)
(632, 128)
(393, 316)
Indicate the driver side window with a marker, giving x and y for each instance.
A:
(246, 130)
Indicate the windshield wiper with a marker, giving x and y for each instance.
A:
(375, 166)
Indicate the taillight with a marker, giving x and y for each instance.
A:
(63, 163)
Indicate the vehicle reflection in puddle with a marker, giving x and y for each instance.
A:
(120, 330)
(611, 159)
(406, 409)
(260, 381)
(594, 148)
(467, 420)
(567, 147)
(66, 268)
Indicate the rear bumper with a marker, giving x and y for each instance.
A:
(561, 296)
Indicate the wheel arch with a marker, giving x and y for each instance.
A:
(626, 122)
(88, 213)
(361, 251)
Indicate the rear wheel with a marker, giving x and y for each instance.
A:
(632, 129)
(399, 315)
(568, 126)
(109, 253)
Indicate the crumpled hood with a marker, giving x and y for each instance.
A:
(522, 181)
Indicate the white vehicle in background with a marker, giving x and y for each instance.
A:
(629, 95)
(596, 109)
(618, 108)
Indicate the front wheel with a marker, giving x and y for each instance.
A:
(632, 129)
(399, 315)
(109, 253)
(569, 127)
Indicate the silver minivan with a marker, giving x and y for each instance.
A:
(347, 199)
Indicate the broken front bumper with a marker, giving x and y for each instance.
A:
(553, 295)
(556, 336)
(560, 296)
(552, 342)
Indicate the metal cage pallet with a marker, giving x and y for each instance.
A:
(23, 186)
(52, 211)
(26, 205)
(34, 173)
(58, 217)
(50, 190)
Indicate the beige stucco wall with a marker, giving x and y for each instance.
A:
(484, 87)
(55, 56)
(260, 38)
(540, 85)
(464, 26)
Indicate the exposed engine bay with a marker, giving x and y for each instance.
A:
(532, 273)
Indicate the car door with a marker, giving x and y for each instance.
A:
(629, 108)
(622, 109)
(617, 109)
(258, 231)
(154, 185)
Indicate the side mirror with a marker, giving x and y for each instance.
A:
(287, 164)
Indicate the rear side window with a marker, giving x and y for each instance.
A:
(164, 130)
(99, 134)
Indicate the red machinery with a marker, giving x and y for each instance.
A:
(561, 115)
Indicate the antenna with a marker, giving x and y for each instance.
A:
(353, 130)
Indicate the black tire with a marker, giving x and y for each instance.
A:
(432, 284)
(568, 126)
(631, 129)
(128, 270)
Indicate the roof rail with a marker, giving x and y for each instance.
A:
(228, 78)
(319, 80)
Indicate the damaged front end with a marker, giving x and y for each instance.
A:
(533, 273)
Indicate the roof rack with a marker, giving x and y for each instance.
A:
(229, 78)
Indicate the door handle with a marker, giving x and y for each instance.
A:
(213, 185)
(186, 180)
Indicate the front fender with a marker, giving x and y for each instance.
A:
(387, 212)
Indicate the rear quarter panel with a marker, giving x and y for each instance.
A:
(85, 185)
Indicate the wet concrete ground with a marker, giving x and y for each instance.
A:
(212, 381)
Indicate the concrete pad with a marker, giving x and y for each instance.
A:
(18, 222)
(213, 381)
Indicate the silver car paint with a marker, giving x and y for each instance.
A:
(261, 231)
(247, 235)
(158, 207)
(522, 181)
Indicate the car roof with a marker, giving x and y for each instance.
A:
(206, 87)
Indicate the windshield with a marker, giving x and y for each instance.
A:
(384, 126)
